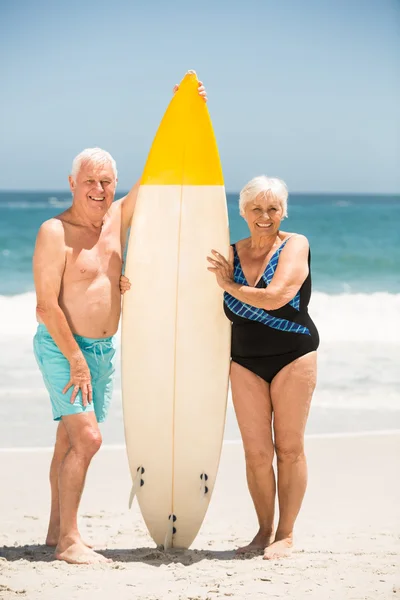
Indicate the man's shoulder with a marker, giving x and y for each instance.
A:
(52, 229)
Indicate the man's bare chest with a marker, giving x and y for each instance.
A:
(89, 258)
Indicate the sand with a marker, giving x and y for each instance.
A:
(347, 545)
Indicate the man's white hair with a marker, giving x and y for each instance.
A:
(262, 185)
(95, 155)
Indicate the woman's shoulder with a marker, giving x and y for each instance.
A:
(295, 245)
(296, 239)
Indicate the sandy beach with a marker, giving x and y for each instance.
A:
(347, 544)
(306, 93)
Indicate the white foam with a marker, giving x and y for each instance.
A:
(357, 317)
(339, 317)
(18, 314)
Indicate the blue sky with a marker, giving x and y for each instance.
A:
(306, 90)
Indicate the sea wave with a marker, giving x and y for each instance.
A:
(52, 202)
(358, 358)
(338, 317)
(356, 317)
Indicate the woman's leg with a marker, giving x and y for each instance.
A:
(291, 392)
(253, 409)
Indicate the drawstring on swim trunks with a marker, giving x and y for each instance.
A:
(98, 346)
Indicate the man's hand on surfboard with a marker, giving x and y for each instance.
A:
(124, 284)
(202, 90)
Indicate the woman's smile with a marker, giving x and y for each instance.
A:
(264, 225)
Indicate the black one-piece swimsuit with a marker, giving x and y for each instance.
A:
(266, 341)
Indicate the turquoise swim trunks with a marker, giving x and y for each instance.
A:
(55, 368)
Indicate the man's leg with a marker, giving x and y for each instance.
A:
(85, 440)
(61, 448)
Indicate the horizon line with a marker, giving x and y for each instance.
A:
(230, 192)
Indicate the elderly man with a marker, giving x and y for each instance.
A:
(77, 265)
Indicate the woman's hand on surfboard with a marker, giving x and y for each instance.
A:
(202, 90)
(124, 284)
(222, 268)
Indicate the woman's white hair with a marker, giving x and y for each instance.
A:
(95, 155)
(263, 185)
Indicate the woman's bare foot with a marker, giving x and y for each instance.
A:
(77, 553)
(280, 548)
(258, 544)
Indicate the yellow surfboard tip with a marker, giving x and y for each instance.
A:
(191, 75)
(189, 83)
(184, 151)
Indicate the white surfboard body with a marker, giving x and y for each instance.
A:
(175, 336)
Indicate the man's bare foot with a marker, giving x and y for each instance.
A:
(279, 549)
(52, 541)
(79, 554)
(257, 545)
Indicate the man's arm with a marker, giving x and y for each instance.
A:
(48, 268)
(128, 204)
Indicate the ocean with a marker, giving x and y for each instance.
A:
(355, 304)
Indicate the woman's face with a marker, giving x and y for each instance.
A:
(263, 215)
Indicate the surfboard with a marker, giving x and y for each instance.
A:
(175, 336)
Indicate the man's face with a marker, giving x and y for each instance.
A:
(94, 188)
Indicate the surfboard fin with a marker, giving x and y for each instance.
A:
(168, 536)
(204, 487)
(170, 532)
(136, 484)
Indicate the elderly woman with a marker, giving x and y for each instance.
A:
(267, 284)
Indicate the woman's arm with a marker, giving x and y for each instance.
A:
(288, 278)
